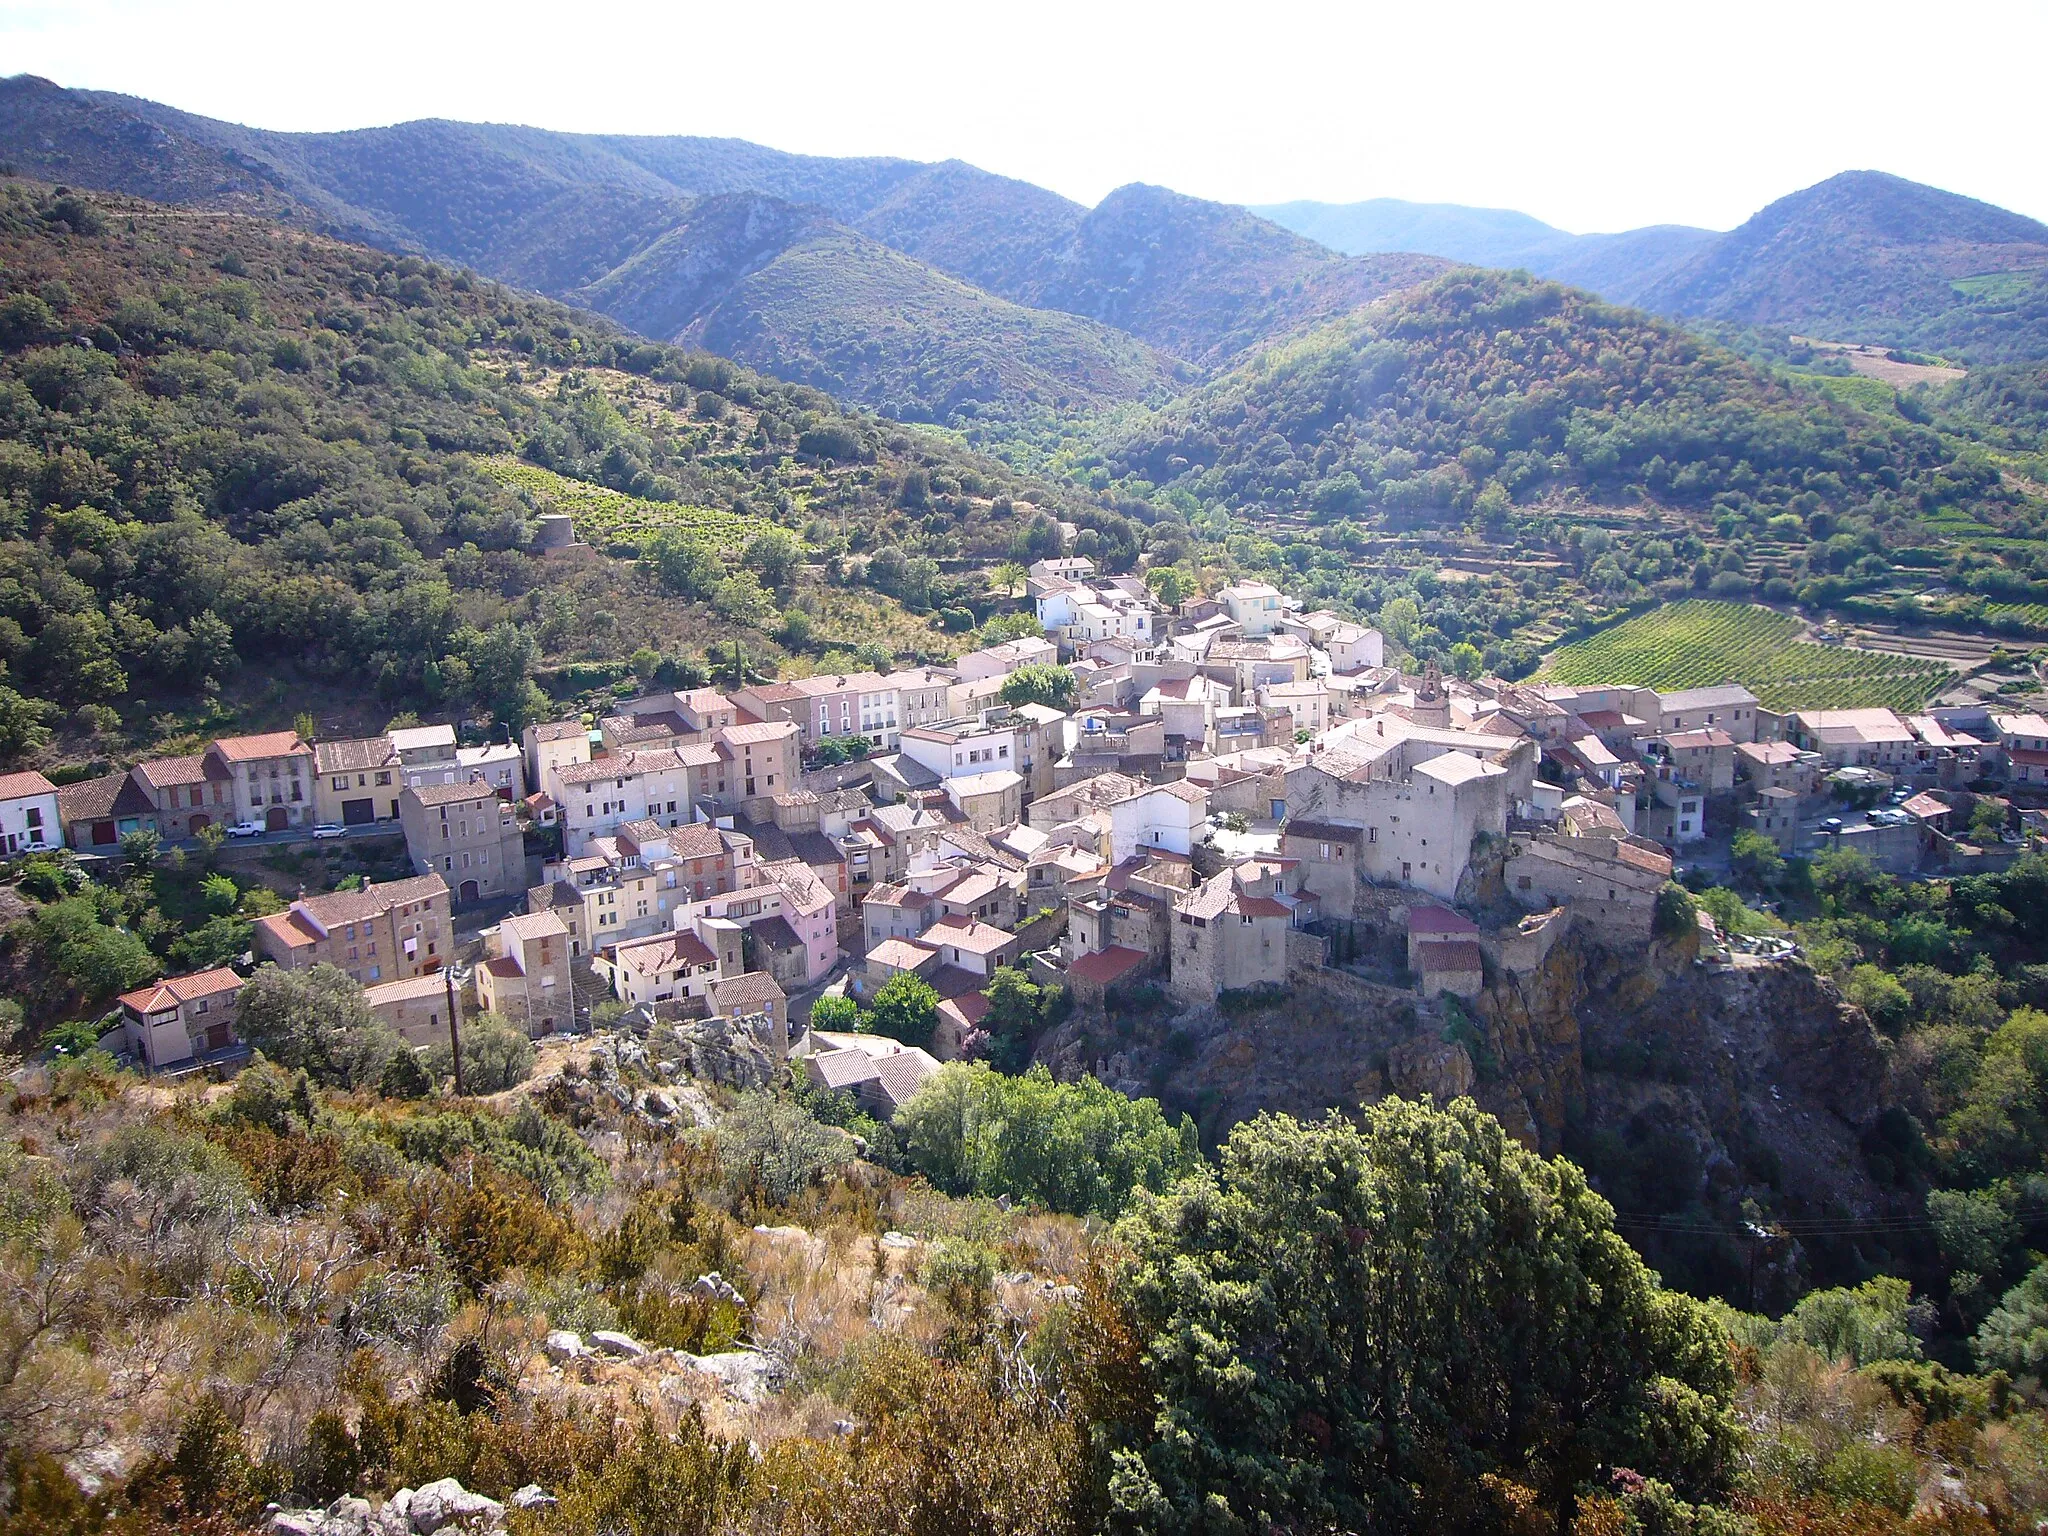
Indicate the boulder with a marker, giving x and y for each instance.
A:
(448, 1506)
(350, 1517)
(743, 1373)
(658, 1104)
(533, 1496)
(395, 1518)
(562, 1346)
(718, 1288)
(898, 1240)
(607, 1341)
(721, 1050)
(295, 1522)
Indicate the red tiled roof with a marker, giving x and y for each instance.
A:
(13, 786)
(244, 749)
(1259, 906)
(180, 989)
(969, 1008)
(1440, 955)
(966, 933)
(1643, 858)
(1439, 920)
(90, 798)
(747, 987)
(1104, 966)
(289, 929)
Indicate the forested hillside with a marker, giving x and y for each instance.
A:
(224, 440)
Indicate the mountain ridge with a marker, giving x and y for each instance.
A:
(1863, 256)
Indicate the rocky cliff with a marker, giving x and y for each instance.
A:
(1693, 1096)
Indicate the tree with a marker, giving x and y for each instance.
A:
(1987, 820)
(217, 941)
(495, 1056)
(1465, 659)
(140, 848)
(1042, 683)
(316, 1021)
(840, 1015)
(1756, 859)
(79, 950)
(773, 555)
(24, 725)
(1872, 1321)
(1348, 1327)
(501, 664)
(1399, 619)
(683, 566)
(2014, 1338)
(1016, 1008)
(906, 1009)
(741, 599)
(1009, 626)
(1082, 1148)
(1006, 578)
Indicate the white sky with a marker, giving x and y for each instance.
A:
(1592, 115)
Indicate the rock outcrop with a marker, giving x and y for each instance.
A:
(438, 1507)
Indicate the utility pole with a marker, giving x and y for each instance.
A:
(454, 1034)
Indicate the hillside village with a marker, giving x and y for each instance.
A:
(1237, 795)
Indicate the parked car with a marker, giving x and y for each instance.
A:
(246, 829)
(328, 829)
(1832, 824)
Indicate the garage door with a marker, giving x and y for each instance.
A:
(358, 813)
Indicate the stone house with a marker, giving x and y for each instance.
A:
(1160, 816)
(1611, 879)
(1231, 932)
(189, 794)
(182, 1021)
(1775, 814)
(1705, 757)
(382, 932)
(753, 994)
(1002, 660)
(525, 977)
(1778, 765)
(466, 834)
(660, 968)
(416, 1007)
(426, 754)
(1419, 829)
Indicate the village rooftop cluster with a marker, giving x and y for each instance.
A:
(1239, 791)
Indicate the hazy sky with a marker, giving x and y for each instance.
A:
(1592, 115)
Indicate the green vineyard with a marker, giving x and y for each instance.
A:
(2017, 618)
(612, 519)
(1696, 644)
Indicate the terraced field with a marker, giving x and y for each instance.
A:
(1696, 644)
(616, 522)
